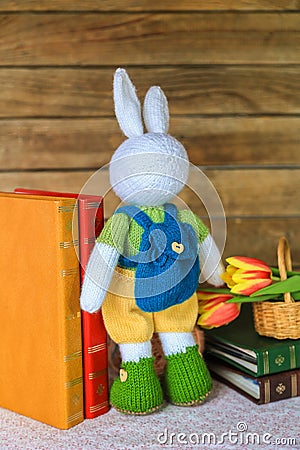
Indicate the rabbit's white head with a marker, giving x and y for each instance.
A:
(147, 168)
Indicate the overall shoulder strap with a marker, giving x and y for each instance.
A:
(139, 216)
(172, 211)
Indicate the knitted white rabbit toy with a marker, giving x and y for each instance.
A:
(144, 268)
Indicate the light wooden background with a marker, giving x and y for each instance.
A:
(230, 69)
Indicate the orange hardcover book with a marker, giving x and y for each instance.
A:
(94, 336)
(40, 321)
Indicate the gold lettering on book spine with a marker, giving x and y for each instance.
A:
(92, 205)
(76, 315)
(97, 348)
(266, 362)
(267, 391)
(69, 244)
(88, 241)
(77, 416)
(294, 385)
(292, 357)
(68, 272)
(93, 375)
(98, 407)
(280, 388)
(67, 208)
(72, 383)
(72, 356)
(279, 360)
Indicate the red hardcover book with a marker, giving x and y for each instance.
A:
(93, 330)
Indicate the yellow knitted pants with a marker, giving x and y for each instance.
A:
(127, 323)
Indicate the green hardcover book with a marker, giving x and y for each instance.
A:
(241, 346)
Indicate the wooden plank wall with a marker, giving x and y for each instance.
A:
(230, 69)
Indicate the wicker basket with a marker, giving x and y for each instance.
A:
(280, 320)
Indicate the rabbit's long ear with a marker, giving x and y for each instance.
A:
(127, 105)
(156, 111)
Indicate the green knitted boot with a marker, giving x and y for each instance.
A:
(187, 380)
(137, 389)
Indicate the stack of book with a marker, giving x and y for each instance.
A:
(53, 356)
(262, 368)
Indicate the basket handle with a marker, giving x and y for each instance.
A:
(284, 263)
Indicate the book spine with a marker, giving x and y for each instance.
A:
(95, 365)
(68, 303)
(279, 386)
(279, 359)
(91, 222)
(95, 372)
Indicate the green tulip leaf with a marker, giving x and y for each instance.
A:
(215, 290)
(290, 285)
(246, 299)
(296, 295)
(289, 273)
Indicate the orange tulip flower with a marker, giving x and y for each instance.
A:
(246, 275)
(214, 311)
